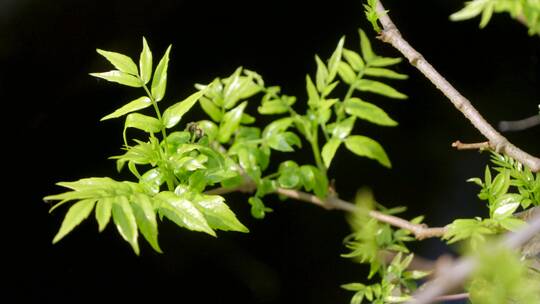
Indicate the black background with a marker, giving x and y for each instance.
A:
(52, 133)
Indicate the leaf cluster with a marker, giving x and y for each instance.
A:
(371, 242)
(527, 11)
(513, 186)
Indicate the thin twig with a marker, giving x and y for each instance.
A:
(456, 274)
(474, 146)
(453, 297)
(332, 202)
(391, 34)
(519, 125)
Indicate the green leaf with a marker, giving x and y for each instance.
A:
(365, 46)
(173, 114)
(384, 61)
(145, 217)
(120, 77)
(237, 88)
(313, 178)
(218, 214)
(334, 60)
(379, 88)
(313, 95)
(343, 128)
(329, 150)
(322, 74)
(145, 63)
(505, 210)
(103, 212)
(290, 175)
(75, 215)
(278, 141)
(231, 121)
(125, 221)
(182, 212)
(135, 105)
(121, 62)
(211, 109)
(368, 111)
(367, 147)
(382, 72)
(142, 122)
(258, 210)
(346, 73)
(353, 59)
(471, 10)
(159, 83)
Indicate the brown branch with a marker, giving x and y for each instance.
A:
(332, 202)
(391, 34)
(457, 273)
(452, 297)
(474, 146)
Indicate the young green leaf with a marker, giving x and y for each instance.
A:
(142, 122)
(218, 214)
(121, 62)
(353, 59)
(346, 73)
(258, 210)
(382, 72)
(103, 212)
(120, 77)
(368, 111)
(313, 95)
(367, 147)
(379, 88)
(384, 61)
(135, 105)
(145, 63)
(145, 217)
(159, 83)
(231, 121)
(182, 212)
(173, 114)
(75, 215)
(124, 219)
(365, 46)
(321, 77)
(211, 109)
(334, 60)
(329, 150)
(343, 128)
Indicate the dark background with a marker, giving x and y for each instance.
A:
(52, 133)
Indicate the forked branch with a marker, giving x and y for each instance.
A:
(499, 143)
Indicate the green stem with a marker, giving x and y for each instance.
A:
(163, 153)
(314, 141)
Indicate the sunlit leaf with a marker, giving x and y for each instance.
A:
(103, 212)
(354, 60)
(121, 62)
(145, 217)
(321, 75)
(218, 214)
(145, 63)
(346, 73)
(368, 111)
(135, 105)
(182, 212)
(159, 83)
(173, 114)
(231, 121)
(75, 215)
(329, 150)
(367, 147)
(334, 60)
(365, 46)
(142, 122)
(379, 88)
(382, 72)
(120, 77)
(124, 219)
